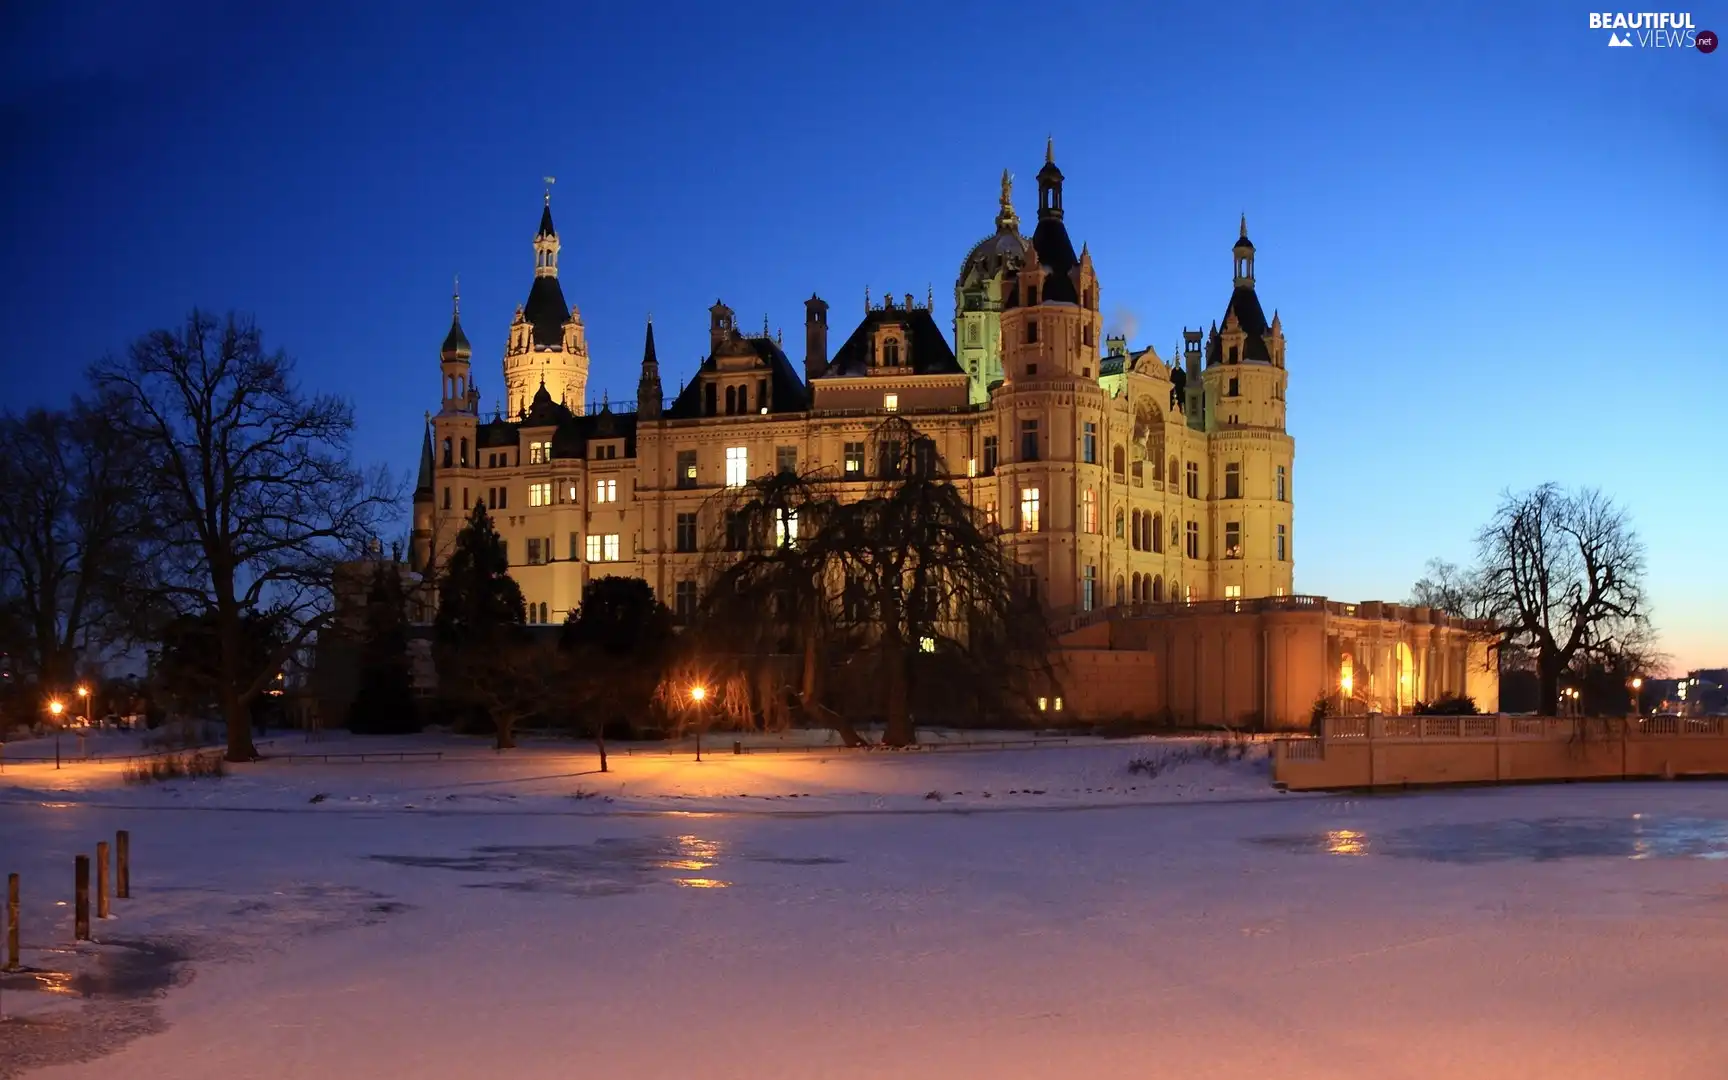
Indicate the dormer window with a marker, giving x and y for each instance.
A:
(891, 353)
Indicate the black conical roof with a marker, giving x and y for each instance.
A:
(456, 345)
(649, 359)
(546, 228)
(423, 482)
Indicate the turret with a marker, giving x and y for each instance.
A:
(815, 337)
(454, 357)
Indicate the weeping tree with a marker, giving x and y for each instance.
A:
(899, 603)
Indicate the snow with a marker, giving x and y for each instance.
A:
(696, 925)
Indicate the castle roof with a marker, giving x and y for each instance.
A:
(926, 347)
(1245, 305)
(787, 394)
(546, 311)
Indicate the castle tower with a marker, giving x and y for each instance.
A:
(815, 338)
(455, 451)
(1252, 455)
(978, 293)
(1050, 411)
(547, 340)
(420, 539)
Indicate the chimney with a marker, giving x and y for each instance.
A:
(815, 337)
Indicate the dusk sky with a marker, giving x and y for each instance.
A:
(1496, 243)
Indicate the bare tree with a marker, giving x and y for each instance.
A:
(70, 528)
(1563, 575)
(255, 497)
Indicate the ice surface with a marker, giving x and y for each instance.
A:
(1223, 932)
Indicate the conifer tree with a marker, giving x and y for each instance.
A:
(478, 601)
(385, 702)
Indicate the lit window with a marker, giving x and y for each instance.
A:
(971, 467)
(686, 468)
(540, 494)
(1232, 592)
(572, 492)
(605, 491)
(1233, 540)
(854, 458)
(1058, 704)
(785, 527)
(990, 512)
(1278, 591)
(1028, 509)
(594, 547)
(737, 466)
(1089, 511)
(926, 644)
(612, 547)
(1043, 704)
(539, 453)
(891, 402)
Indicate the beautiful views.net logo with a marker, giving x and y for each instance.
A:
(1653, 30)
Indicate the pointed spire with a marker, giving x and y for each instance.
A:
(866, 298)
(929, 296)
(650, 360)
(423, 483)
(648, 385)
(1050, 149)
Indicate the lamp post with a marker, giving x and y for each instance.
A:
(698, 694)
(55, 709)
(1637, 685)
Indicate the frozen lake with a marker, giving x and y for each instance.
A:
(1576, 931)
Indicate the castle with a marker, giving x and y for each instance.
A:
(1123, 482)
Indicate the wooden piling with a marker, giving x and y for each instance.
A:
(81, 898)
(123, 865)
(11, 922)
(101, 879)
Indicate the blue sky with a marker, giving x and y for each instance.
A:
(1497, 245)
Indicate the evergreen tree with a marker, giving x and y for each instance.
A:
(485, 661)
(478, 601)
(613, 651)
(385, 702)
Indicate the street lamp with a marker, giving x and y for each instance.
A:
(698, 694)
(55, 709)
(1637, 684)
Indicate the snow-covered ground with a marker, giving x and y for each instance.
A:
(1188, 925)
(792, 773)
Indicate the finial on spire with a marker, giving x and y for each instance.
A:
(929, 296)
(866, 298)
(428, 416)
(764, 324)
(1244, 224)
(1007, 189)
(1050, 149)
(456, 296)
(550, 180)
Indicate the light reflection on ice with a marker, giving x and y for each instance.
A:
(1636, 836)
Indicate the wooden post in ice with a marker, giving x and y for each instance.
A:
(81, 898)
(11, 922)
(123, 865)
(101, 879)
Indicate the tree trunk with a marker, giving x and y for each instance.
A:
(600, 744)
(239, 719)
(898, 730)
(506, 739)
(1547, 686)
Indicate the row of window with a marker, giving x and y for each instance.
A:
(539, 453)
(600, 547)
(1148, 528)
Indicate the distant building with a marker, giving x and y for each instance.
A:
(1128, 485)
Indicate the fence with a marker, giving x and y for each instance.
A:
(1398, 751)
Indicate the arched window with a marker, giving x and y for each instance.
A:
(464, 456)
(544, 617)
(1121, 591)
(891, 353)
(1118, 461)
(731, 400)
(1157, 532)
(1174, 472)
(1136, 593)
(1119, 523)
(1134, 533)
(744, 399)
(447, 454)
(1158, 589)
